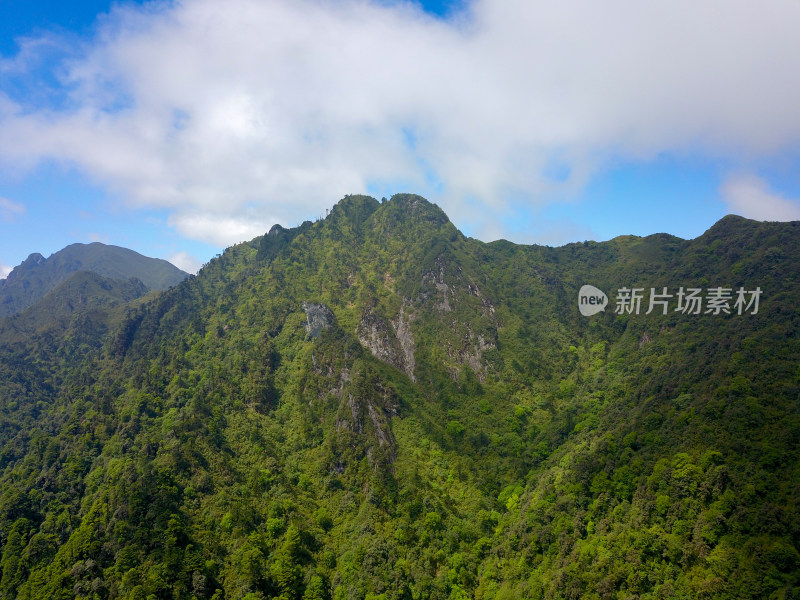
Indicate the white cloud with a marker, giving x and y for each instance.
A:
(749, 196)
(186, 262)
(222, 111)
(557, 232)
(10, 211)
(5, 270)
(218, 228)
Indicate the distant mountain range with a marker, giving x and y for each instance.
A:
(37, 275)
(375, 407)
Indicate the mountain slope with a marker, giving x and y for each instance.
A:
(81, 306)
(36, 276)
(374, 406)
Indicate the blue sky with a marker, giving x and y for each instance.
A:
(177, 129)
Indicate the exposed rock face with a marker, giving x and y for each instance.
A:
(472, 354)
(465, 339)
(361, 414)
(646, 339)
(390, 342)
(375, 334)
(402, 329)
(318, 317)
(366, 406)
(436, 280)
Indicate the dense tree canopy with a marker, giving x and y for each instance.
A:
(454, 428)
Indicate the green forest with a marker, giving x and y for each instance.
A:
(373, 406)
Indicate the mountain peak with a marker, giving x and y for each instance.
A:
(733, 229)
(355, 208)
(37, 275)
(412, 217)
(420, 209)
(33, 259)
(730, 224)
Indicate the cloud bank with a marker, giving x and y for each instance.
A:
(10, 211)
(233, 116)
(186, 262)
(750, 197)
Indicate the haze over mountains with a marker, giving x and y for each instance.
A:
(37, 275)
(374, 406)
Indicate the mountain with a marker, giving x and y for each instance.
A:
(83, 306)
(37, 275)
(375, 406)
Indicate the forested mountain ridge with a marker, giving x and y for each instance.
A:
(37, 275)
(83, 307)
(374, 406)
